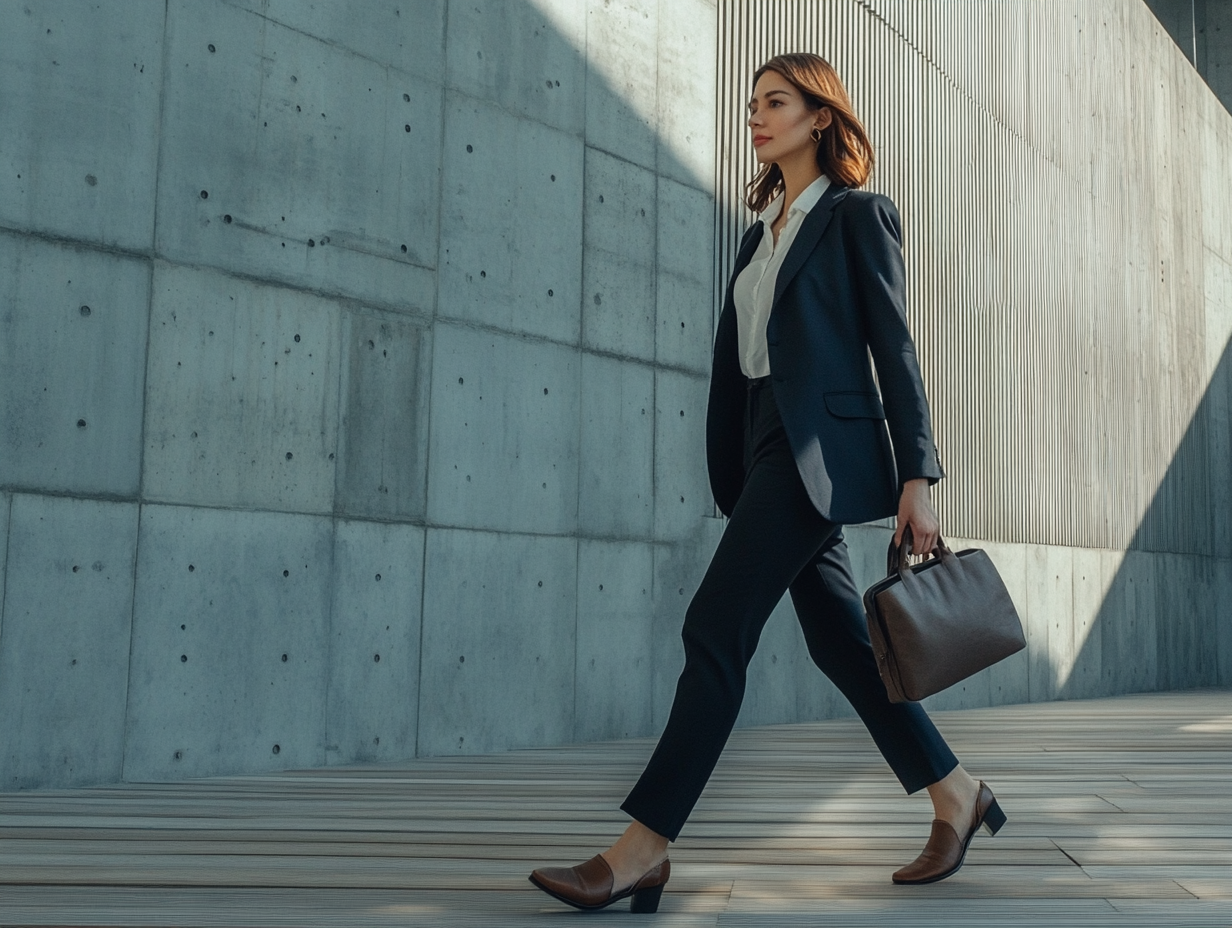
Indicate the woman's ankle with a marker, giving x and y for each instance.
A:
(638, 845)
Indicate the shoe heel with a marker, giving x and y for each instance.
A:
(646, 901)
(994, 818)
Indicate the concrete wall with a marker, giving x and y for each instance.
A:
(352, 377)
(352, 386)
(1202, 29)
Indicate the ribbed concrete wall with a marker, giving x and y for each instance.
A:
(1063, 176)
(353, 364)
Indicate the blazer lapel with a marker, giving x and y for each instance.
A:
(806, 240)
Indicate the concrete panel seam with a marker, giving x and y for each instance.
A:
(599, 352)
(153, 255)
(71, 494)
(423, 585)
(324, 41)
(128, 677)
(4, 572)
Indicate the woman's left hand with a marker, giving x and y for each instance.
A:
(915, 509)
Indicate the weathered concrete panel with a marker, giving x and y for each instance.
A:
(686, 232)
(73, 329)
(616, 473)
(1086, 678)
(498, 641)
(242, 393)
(683, 323)
(687, 82)
(527, 58)
(390, 32)
(228, 669)
(80, 112)
(620, 208)
(383, 439)
(682, 486)
(296, 160)
(1048, 605)
(618, 291)
(68, 605)
(511, 222)
(615, 649)
(618, 307)
(1138, 651)
(1186, 629)
(504, 432)
(1222, 568)
(373, 690)
(622, 78)
(5, 500)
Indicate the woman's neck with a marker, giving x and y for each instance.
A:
(797, 174)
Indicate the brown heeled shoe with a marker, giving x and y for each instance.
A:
(588, 886)
(945, 851)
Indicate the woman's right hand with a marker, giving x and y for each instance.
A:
(915, 510)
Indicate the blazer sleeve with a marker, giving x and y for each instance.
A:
(875, 260)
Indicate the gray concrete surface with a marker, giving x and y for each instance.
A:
(423, 292)
(68, 607)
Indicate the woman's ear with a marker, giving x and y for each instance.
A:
(824, 117)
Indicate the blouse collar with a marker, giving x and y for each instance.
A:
(803, 203)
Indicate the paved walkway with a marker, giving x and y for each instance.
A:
(1120, 814)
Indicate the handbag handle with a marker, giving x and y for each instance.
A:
(897, 555)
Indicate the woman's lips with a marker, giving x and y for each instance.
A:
(758, 139)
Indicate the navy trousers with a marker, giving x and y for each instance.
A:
(775, 541)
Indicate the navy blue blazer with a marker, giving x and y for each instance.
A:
(839, 296)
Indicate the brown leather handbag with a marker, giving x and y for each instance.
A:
(940, 621)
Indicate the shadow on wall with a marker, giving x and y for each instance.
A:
(503, 207)
(1164, 619)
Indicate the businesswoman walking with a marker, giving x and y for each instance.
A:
(797, 445)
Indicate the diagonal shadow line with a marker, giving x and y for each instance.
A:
(1158, 625)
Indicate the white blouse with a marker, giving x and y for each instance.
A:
(754, 290)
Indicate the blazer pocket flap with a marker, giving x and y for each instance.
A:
(855, 405)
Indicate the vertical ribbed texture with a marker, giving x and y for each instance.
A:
(1050, 175)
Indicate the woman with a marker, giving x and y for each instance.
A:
(797, 445)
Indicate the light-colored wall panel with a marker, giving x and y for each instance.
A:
(372, 703)
(503, 451)
(290, 158)
(499, 641)
(229, 653)
(682, 486)
(73, 326)
(410, 38)
(616, 468)
(64, 660)
(615, 647)
(382, 458)
(622, 78)
(80, 111)
(527, 58)
(511, 221)
(241, 393)
(684, 123)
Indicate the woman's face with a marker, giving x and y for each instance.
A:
(780, 122)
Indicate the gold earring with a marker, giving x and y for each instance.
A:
(816, 134)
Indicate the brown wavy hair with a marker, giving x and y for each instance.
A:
(844, 153)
